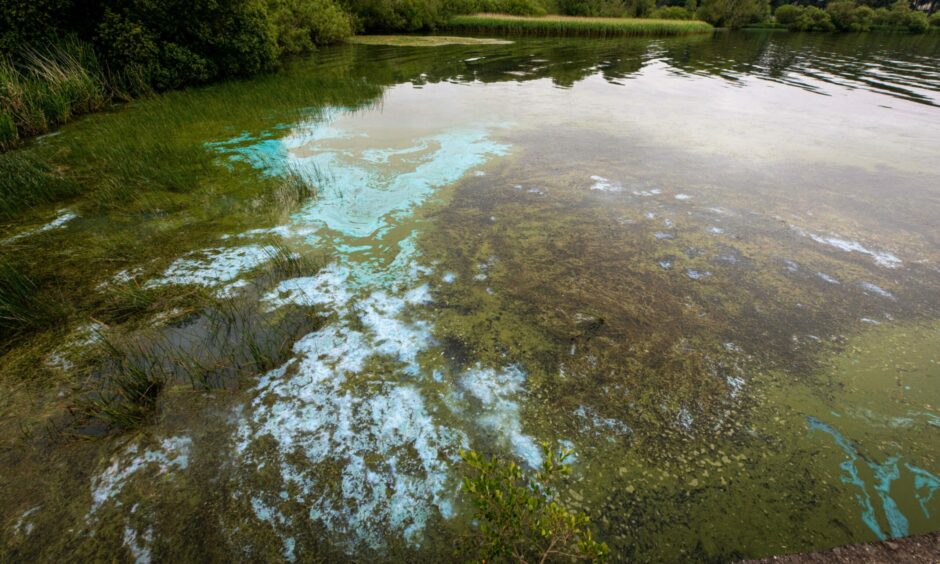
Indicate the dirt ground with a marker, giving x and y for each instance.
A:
(923, 549)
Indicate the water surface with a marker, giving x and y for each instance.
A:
(711, 265)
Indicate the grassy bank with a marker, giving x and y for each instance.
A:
(575, 26)
(46, 88)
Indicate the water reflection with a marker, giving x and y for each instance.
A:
(901, 66)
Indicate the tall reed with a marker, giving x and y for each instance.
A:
(575, 26)
(44, 88)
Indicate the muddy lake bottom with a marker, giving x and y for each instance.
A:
(709, 265)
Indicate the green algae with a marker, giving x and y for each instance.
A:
(688, 398)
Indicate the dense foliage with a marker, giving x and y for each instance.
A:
(519, 516)
(846, 15)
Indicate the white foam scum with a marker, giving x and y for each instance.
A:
(881, 258)
(605, 185)
(497, 392)
(215, 266)
(63, 217)
(172, 454)
(138, 464)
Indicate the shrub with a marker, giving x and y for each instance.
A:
(519, 515)
(30, 22)
(180, 42)
(935, 19)
(813, 19)
(846, 16)
(900, 17)
(787, 14)
(593, 8)
(918, 22)
(864, 18)
(303, 24)
(842, 14)
(672, 13)
(731, 13)
(397, 15)
(512, 7)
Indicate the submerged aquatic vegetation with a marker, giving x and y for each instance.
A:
(30, 181)
(575, 26)
(494, 280)
(25, 307)
(129, 393)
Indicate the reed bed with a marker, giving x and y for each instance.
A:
(47, 88)
(575, 26)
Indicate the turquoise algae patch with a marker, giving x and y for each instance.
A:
(366, 451)
(883, 475)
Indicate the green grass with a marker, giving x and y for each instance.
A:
(24, 306)
(28, 181)
(574, 26)
(47, 88)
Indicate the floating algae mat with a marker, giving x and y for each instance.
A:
(674, 256)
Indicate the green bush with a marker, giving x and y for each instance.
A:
(918, 22)
(30, 22)
(864, 18)
(592, 8)
(935, 19)
(519, 516)
(180, 42)
(846, 16)
(672, 13)
(732, 13)
(787, 14)
(813, 19)
(900, 17)
(303, 24)
(511, 7)
(372, 16)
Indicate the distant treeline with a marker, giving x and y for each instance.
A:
(803, 15)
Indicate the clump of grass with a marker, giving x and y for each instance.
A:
(24, 307)
(28, 182)
(575, 26)
(283, 263)
(221, 343)
(293, 189)
(132, 300)
(48, 87)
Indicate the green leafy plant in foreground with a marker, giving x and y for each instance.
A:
(518, 514)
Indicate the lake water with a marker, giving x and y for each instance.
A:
(710, 265)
